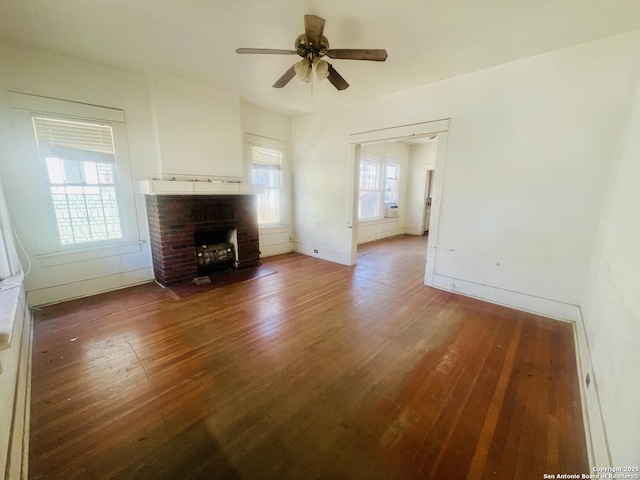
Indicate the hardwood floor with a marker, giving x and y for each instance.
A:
(315, 371)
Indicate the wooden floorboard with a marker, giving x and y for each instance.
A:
(317, 370)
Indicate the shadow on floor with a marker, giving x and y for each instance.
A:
(193, 454)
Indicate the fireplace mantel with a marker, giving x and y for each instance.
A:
(184, 187)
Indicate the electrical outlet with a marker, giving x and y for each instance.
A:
(315, 250)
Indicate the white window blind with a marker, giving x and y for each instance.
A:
(80, 161)
(266, 166)
(266, 157)
(73, 140)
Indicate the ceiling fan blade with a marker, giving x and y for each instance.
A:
(313, 29)
(358, 54)
(267, 51)
(286, 78)
(336, 79)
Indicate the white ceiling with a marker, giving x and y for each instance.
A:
(427, 40)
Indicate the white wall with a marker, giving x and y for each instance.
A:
(198, 128)
(259, 122)
(526, 158)
(398, 153)
(611, 301)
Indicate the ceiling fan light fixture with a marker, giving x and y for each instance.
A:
(303, 70)
(322, 68)
(312, 45)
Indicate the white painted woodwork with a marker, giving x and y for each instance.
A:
(422, 160)
(183, 187)
(15, 359)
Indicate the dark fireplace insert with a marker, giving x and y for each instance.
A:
(215, 250)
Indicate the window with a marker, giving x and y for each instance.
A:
(391, 184)
(376, 191)
(79, 157)
(266, 171)
(370, 180)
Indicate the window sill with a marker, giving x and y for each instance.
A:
(274, 228)
(375, 221)
(10, 290)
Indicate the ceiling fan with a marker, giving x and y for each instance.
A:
(312, 46)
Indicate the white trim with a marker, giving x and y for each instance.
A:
(275, 240)
(594, 426)
(398, 133)
(323, 253)
(181, 187)
(353, 181)
(383, 161)
(25, 107)
(275, 249)
(88, 287)
(55, 106)
(265, 141)
(18, 455)
(16, 362)
(27, 402)
(521, 301)
(285, 171)
(439, 127)
(10, 299)
(89, 253)
(413, 231)
(272, 229)
(437, 187)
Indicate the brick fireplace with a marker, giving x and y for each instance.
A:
(176, 221)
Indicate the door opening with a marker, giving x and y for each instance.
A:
(419, 190)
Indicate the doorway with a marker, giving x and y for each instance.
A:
(428, 184)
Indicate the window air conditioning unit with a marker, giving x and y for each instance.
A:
(390, 211)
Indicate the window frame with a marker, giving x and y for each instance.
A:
(391, 163)
(116, 185)
(24, 108)
(252, 140)
(384, 162)
(9, 262)
(378, 187)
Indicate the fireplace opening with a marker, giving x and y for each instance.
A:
(216, 250)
